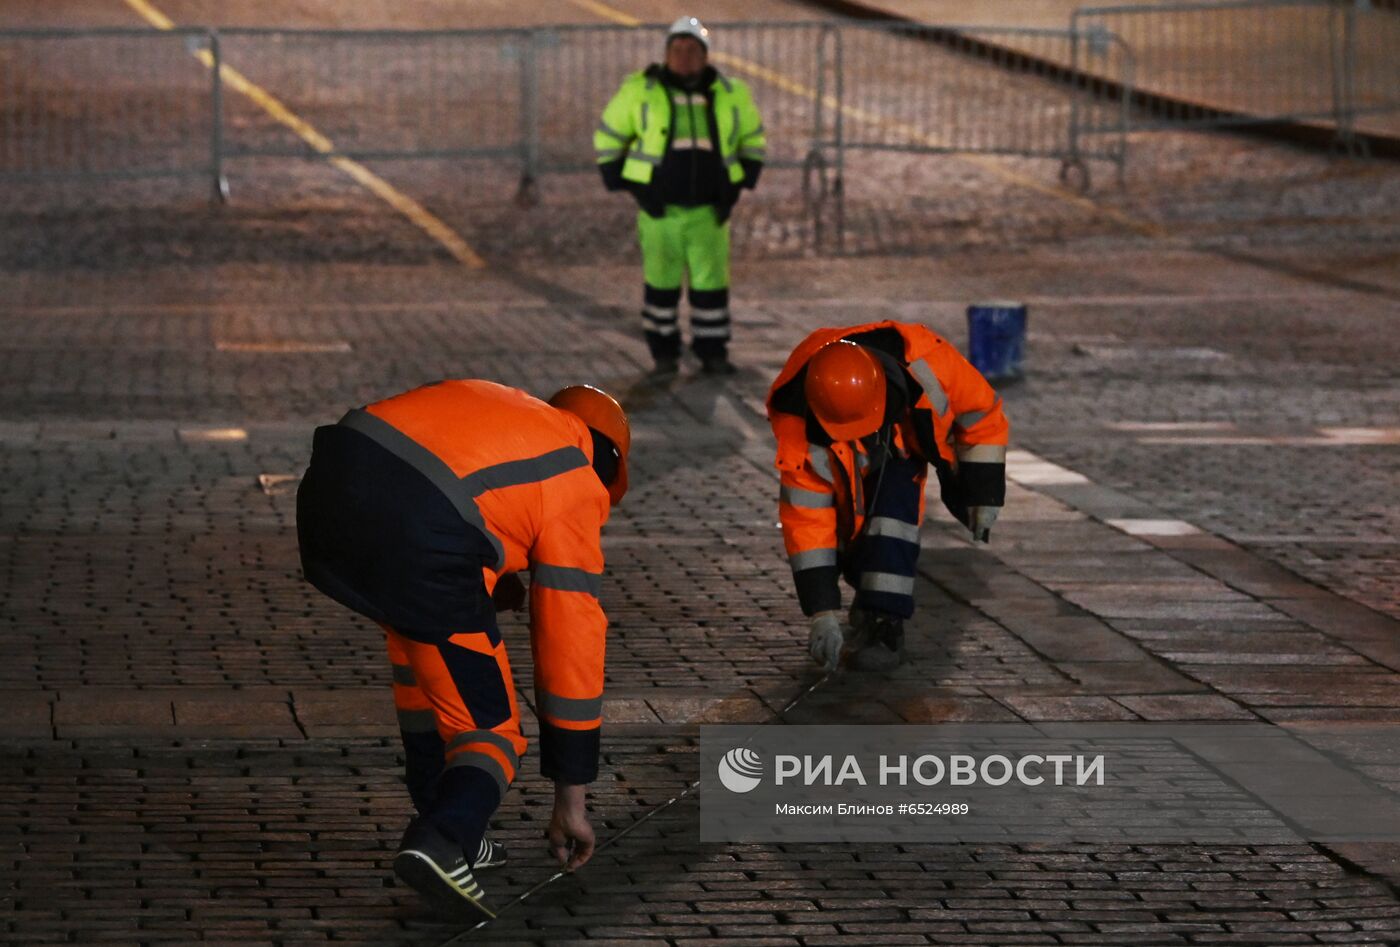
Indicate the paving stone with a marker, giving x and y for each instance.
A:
(1184, 707)
(221, 763)
(1067, 708)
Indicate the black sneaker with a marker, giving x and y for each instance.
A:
(489, 854)
(883, 649)
(717, 365)
(434, 866)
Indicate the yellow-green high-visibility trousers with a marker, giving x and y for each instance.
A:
(687, 241)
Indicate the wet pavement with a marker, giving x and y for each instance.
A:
(1201, 526)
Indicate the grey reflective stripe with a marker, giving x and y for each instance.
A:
(969, 418)
(757, 131)
(566, 579)
(730, 160)
(607, 129)
(811, 499)
(572, 709)
(819, 460)
(417, 721)
(429, 465)
(642, 156)
(724, 81)
(484, 736)
(759, 153)
(983, 453)
(709, 332)
(657, 327)
(646, 106)
(489, 764)
(403, 674)
(812, 559)
(932, 386)
(608, 153)
(709, 317)
(887, 582)
(513, 473)
(893, 528)
(659, 321)
(734, 129)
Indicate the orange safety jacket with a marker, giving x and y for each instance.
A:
(954, 421)
(518, 472)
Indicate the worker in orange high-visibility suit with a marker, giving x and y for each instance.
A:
(859, 414)
(418, 512)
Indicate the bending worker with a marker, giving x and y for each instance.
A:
(685, 141)
(417, 512)
(859, 413)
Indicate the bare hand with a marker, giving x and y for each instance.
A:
(571, 838)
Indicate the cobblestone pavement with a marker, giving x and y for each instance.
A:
(1201, 526)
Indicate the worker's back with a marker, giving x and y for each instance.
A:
(408, 497)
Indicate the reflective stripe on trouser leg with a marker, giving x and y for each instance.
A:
(709, 321)
(663, 270)
(467, 682)
(661, 322)
(422, 744)
(707, 260)
(887, 555)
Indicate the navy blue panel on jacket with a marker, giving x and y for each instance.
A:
(379, 538)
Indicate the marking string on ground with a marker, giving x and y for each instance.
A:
(636, 823)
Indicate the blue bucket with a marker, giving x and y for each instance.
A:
(996, 338)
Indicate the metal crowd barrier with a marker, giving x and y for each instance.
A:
(104, 103)
(110, 103)
(1238, 63)
(983, 90)
(379, 94)
(92, 103)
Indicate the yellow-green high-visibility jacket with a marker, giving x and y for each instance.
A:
(636, 125)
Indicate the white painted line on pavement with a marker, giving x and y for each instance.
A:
(1136, 527)
(1170, 425)
(1326, 437)
(192, 435)
(1361, 435)
(282, 348)
(1030, 469)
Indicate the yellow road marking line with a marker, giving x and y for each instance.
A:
(416, 213)
(787, 84)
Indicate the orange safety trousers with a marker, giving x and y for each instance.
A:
(460, 723)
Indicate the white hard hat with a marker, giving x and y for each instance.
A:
(690, 26)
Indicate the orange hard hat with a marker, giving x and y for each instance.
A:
(601, 412)
(845, 388)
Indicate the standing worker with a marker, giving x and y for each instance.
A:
(417, 512)
(684, 140)
(859, 413)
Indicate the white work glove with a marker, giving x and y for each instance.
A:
(825, 639)
(980, 520)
